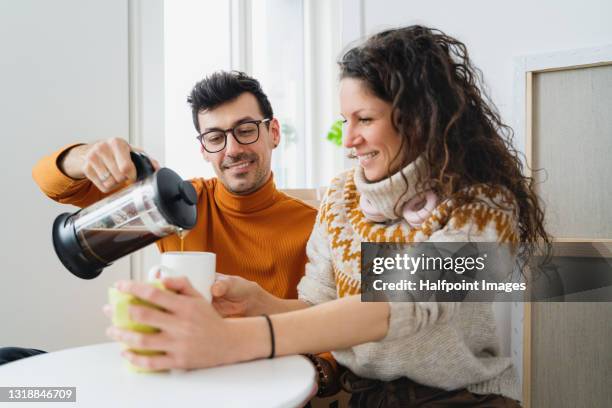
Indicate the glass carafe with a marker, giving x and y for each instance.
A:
(158, 204)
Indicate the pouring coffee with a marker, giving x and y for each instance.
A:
(158, 204)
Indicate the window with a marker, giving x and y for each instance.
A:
(277, 28)
(290, 46)
(196, 43)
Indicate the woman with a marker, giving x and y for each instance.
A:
(424, 137)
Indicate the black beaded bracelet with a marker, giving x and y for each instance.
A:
(273, 351)
(323, 379)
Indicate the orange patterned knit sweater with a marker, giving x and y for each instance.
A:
(444, 345)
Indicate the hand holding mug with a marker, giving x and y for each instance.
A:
(119, 311)
(190, 328)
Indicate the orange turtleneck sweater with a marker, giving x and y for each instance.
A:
(261, 236)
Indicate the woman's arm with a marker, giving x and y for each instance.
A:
(337, 324)
(267, 303)
(192, 332)
(333, 325)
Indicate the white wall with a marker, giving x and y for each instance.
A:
(63, 78)
(496, 32)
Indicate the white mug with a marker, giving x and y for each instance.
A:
(198, 267)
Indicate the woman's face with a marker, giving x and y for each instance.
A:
(368, 130)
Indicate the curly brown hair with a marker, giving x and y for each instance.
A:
(442, 114)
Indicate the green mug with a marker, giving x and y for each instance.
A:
(120, 303)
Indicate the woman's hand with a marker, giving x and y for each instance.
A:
(235, 296)
(192, 334)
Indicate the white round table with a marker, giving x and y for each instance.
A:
(102, 380)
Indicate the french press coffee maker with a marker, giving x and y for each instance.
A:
(158, 204)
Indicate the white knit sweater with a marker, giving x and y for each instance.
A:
(442, 345)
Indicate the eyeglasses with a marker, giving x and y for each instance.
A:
(245, 133)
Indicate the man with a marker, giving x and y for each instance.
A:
(258, 233)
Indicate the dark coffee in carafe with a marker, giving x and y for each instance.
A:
(159, 204)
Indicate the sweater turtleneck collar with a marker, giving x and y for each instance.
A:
(248, 203)
(389, 194)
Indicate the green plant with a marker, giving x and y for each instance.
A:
(334, 134)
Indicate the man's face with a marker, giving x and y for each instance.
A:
(242, 169)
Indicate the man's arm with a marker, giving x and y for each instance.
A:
(82, 174)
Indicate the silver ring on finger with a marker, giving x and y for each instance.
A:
(104, 177)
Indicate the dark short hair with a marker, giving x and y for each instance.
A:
(222, 87)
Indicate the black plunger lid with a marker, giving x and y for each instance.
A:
(175, 198)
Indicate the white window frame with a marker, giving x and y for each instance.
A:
(323, 43)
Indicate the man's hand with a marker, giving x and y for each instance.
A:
(107, 163)
(235, 296)
(191, 331)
